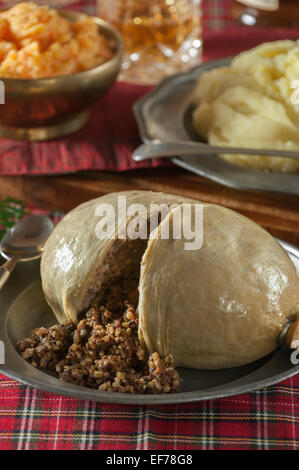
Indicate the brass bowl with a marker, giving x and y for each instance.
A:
(47, 108)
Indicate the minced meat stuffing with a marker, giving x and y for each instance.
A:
(102, 352)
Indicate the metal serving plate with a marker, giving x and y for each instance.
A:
(23, 307)
(165, 114)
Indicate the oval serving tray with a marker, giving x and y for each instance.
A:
(165, 114)
(23, 307)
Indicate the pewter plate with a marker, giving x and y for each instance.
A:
(165, 114)
(23, 307)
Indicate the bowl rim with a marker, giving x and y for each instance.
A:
(105, 28)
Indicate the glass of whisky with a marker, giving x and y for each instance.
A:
(161, 37)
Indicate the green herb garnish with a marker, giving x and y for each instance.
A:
(11, 211)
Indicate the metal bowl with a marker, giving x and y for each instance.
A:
(46, 108)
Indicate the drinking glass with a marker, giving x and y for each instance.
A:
(161, 37)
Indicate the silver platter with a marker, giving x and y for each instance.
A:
(23, 307)
(165, 114)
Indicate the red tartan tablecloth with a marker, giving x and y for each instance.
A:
(266, 419)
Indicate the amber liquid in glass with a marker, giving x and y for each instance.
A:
(161, 37)
(286, 16)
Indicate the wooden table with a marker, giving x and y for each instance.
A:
(277, 213)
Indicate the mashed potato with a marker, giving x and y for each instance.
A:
(249, 105)
(37, 42)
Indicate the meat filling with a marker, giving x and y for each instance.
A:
(102, 352)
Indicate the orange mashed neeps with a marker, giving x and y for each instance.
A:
(37, 42)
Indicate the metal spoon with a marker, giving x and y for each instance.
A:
(161, 149)
(24, 242)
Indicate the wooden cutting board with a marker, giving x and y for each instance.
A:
(278, 213)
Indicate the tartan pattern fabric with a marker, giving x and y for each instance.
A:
(35, 420)
(265, 419)
(216, 14)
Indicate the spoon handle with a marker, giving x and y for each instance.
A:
(5, 271)
(161, 149)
